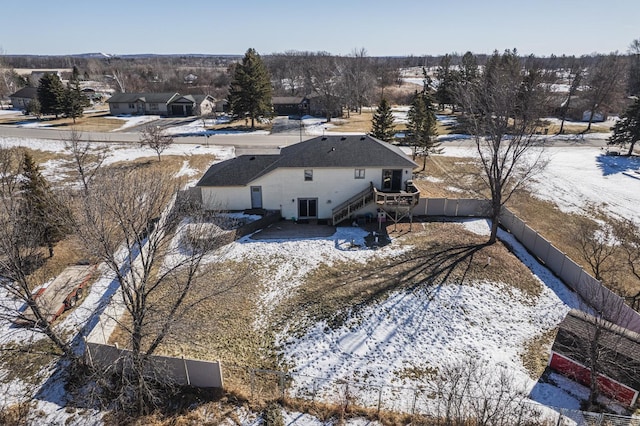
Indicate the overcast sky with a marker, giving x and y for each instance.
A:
(383, 28)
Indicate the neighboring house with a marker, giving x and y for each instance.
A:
(618, 350)
(314, 104)
(332, 178)
(167, 104)
(38, 74)
(21, 99)
(324, 106)
(290, 105)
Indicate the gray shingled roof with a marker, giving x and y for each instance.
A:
(26, 92)
(146, 97)
(286, 100)
(357, 151)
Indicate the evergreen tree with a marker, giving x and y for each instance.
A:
(447, 82)
(469, 72)
(421, 126)
(382, 122)
(51, 95)
(250, 91)
(34, 108)
(627, 129)
(42, 215)
(74, 101)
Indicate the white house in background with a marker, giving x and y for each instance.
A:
(331, 178)
(23, 97)
(166, 104)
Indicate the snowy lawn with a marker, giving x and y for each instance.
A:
(428, 328)
(424, 328)
(577, 178)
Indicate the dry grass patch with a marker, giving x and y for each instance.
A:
(92, 122)
(26, 361)
(535, 356)
(356, 122)
(577, 128)
(201, 162)
(449, 177)
(220, 326)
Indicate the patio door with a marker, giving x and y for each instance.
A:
(392, 179)
(256, 197)
(307, 208)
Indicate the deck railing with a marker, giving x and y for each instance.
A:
(358, 201)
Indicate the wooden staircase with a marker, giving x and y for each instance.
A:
(353, 204)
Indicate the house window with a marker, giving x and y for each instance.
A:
(359, 174)
(132, 106)
(153, 107)
(308, 175)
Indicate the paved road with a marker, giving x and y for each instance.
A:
(243, 141)
(253, 142)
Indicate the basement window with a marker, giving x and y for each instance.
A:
(308, 175)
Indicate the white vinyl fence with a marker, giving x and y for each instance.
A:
(591, 290)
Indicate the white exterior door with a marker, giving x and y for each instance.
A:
(256, 197)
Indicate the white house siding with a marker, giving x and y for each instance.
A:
(205, 108)
(20, 103)
(282, 188)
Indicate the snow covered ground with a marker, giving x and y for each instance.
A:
(406, 329)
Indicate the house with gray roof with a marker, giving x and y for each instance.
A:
(23, 97)
(332, 178)
(171, 104)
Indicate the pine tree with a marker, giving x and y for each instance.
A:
(421, 126)
(51, 95)
(447, 81)
(42, 214)
(250, 91)
(627, 129)
(382, 122)
(74, 101)
(33, 108)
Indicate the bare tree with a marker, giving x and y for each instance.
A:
(472, 392)
(603, 347)
(155, 138)
(627, 234)
(595, 338)
(576, 73)
(86, 158)
(322, 75)
(358, 79)
(154, 243)
(21, 253)
(598, 247)
(7, 83)
(604, 85)
(503, 124)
